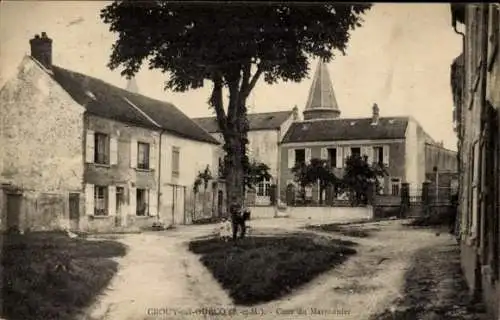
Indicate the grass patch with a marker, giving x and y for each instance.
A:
(47, 275)
(261, 269)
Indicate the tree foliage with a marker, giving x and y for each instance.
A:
(360, 176)
(255, 173)
(317, 171)
(231, 45)
(202, 178)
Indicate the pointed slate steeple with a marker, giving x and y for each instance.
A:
(132, 85)
(321, 103)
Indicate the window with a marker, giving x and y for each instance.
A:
(101, 201)
(101, 150)
(264, 188)
(395, 187)
(142, 196)
(332, 157)
(175, 161)
(378, 154)
(143, 155)
(356, 151)
(300, 156)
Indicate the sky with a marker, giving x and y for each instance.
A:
(400, 59)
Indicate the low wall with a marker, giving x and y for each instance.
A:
(315, 213)
(37, 212)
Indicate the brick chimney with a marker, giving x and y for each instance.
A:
(41, 50)
(375, 114)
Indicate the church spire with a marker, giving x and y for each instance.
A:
(132, 85)
(321, 103)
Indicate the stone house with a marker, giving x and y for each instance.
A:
(475, 80)
(266, 131)
(399, 142)
(83, 154)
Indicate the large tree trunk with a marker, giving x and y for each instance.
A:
(234, 125)
(234, 171)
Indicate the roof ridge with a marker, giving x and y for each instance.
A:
(140, 104)
(249, 114)
(352, 119)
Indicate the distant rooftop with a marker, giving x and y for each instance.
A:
(257, 121)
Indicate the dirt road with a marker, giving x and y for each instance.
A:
(160, 279)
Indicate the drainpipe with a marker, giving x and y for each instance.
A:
(278, 175)
(159, 177)
(483, 103)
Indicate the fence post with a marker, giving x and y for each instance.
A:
(425, 198)
(370, 193)
(405, 199)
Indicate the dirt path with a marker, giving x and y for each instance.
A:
(157, 274)
(434, 288)
(170, 281)
(364, 285)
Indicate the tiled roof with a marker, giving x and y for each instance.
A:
(257, 121)
(346, 129)
(108, 101)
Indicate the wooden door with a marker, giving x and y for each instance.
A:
(74, 211)
(13, 210)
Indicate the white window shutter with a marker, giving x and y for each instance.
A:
(308, 155)
(153, 202)
(370, 155)
(112, 200)
(152, 156)
(133, 153)
(90, 145)
(340, 157)
(89, 199)
(347, 153)
(324, 153)
(132, 201)
(113, 150)
(291, 158)
(386, 155)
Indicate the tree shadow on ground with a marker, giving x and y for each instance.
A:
(47, 275)
(261, 269)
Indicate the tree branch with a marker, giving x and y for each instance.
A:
(233, 81)
(245, 81)
(254, 80)
(217, 103)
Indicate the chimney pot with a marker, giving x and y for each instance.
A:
(41, 50)
(375, 114)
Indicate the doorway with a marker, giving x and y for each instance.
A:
(14, 201)
(120, 202)
(74, 211)
(220, 203)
